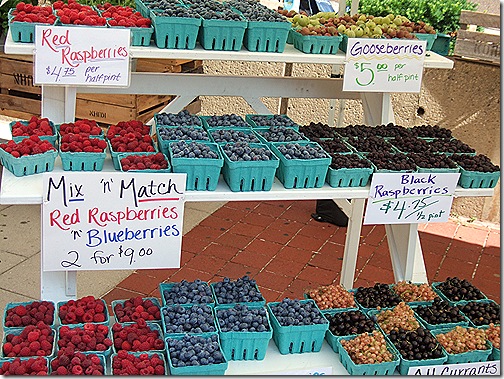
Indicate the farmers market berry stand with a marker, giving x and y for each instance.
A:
(58, 104)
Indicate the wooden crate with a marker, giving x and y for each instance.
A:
(481, 46)
(20, 98)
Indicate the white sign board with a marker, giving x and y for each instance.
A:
(459, 369)
(111, 220)
(79, 55)
(308, 371)
(384, 65)
(409, 198)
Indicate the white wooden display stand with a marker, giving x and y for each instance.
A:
(58, 104)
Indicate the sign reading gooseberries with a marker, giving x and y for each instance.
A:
(384, 65)
(111, 220)
(79, 55)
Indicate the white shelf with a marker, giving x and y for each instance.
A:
(290, 55)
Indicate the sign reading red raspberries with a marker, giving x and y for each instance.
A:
(76, 363)
(33, 127)
(125, 363)
(28, 146)
(144, 162)
(34, 340)
(85, 126)
(89, 337)
(86, 309)
(136, 308)
(33, 13)
(77, 14)
(137, 337)
(77, 143)
(30, 314)
(124, 127)
(30, 366)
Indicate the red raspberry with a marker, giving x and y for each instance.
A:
(99, 317)
(20, 310)
(77, 370)
(33, 336)
(61, 370)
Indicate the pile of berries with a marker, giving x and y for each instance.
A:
(132, 309)
(416, 344)
(440, 312)
(242, 151)
(183, 133)
(197, 318)
(379, 295)
(414, 292)
(86, 309)
(357, 131)
(78, 143)
(428, 159)
(69, 362)
(297, 312)
(241, 290)
(124, 127)
(183, 118)
(331, 296)
(280, 134)
(349, 322)
(137, 337)
(30, 366)
(184, 292)
(132, 142)
(410, 144)
(242, 318)
(273, 120)
(192, 149)
(89, 337)
(430, 131)
(339, 161)
(334, 145)
(226, 119)
(482, 313)
(460, 340)
(144, 162)
(318, 130)
(225, 135)
(77, 14)
(195, 351)
(391, 130)
(35, 126)
(370, 144)
(388, 161)
(478, 163)
(125, 363)
(450, 145)
(34, 340)
(401, 317)
(456, 289)
(27, 12)
(30, 314)
(298, 151)
(125, 16)
(28, 146)
(89, 127)
(493, 335)
(368, 348)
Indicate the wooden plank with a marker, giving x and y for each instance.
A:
(147, 66)
(26, 58)
(477, 50)
(19, 82)
(126, 101)
(19, 104)
(102, 112)
(478, 36)
(144, 102)
(487, 20)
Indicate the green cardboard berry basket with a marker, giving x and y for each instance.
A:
(213, 369)
(247, 346)
(249, 303)
(105, 311)
(467, 357)
(429, 326)
(164, 143)
(349, 177)
(106, 353)
(249, 118)
(115, 154)
(261, 133)
(190, 310)
(296, 339)
(138, 354)
(25, 31)
(384, 368)
(175, 32)
(4, 360)
(103, 361)
(476, 179)
(266, 36)
(82, 161)
(171, 286)
(316, 44)
(430, 38)
(222, 34)
(154, 327)
(52, 138)
(125, 155)
(242, 176)
(29, 164)
(154, 300)
(460, 304)
(441, 294)
(441, 44)
(17, 332)
(249, 135)
(495, 355)
(301, 173)
(202, 173)
(414, 303)
(9, 306)
(372, 314)
(142, 7)
(330, 337)
(138, 36)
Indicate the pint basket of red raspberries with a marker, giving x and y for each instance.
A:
(85, 338)
(84, 126)
(29, 156)
(138, 363)
(130, 310)
(84, 310)
(73, 13)
(18, 315)
(144, 162)
(69, 362)
(25, 16)
(30, 341)
(35, 126)
(24, 366)
(139, 336)
(79, 152)
(126, 17)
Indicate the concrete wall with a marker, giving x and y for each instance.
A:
(465, 99)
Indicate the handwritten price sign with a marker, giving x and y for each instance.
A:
(82, 56)
(409, 198)
(112, 221)
(376, 65)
